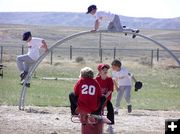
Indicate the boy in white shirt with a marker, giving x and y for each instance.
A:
(24, 62)
(114, 21)
(123, 83)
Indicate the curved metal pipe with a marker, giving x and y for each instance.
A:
(33, 68)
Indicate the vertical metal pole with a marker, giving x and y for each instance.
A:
(22, 51)
(158, 54)
(51, 57)
(70, 52)
(152, 55)
(100, 37)
(1, 54)
(100, 54)
(114, 53)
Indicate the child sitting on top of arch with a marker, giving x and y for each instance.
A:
(114, 21)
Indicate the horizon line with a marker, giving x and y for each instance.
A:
(84, 13)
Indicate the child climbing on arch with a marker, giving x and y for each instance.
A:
(24, 62)
(113, 19)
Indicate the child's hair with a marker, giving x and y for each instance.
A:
(86, 72)
(116, 63)
(90, 8)
(26, 36)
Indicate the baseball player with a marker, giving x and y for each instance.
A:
(122, 81)
(87, 94)
(113, 19)
(24, 62)
(106, 85)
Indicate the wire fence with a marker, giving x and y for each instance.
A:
(145, 56)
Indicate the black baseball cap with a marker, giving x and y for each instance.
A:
(26, 36)
(90, 8)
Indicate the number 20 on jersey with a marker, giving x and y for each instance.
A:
(88, 89)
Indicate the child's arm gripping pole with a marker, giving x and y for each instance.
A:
(96, 26)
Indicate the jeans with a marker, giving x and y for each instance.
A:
(120, 93)
(24, 62)
(116, 25)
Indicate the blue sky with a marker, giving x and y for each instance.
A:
(134, 8)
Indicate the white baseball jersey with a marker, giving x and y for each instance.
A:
(122, 77)
(33, 48)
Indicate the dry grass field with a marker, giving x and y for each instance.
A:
(47, 106)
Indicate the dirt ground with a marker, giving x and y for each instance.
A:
(57, 120)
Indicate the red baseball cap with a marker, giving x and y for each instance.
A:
(101, 66)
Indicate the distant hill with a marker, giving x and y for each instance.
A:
(82, 20)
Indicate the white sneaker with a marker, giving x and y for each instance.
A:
(110, 130)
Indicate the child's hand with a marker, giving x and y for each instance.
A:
(116, 88)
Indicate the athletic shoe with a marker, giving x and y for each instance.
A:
(23, 75)
(136, 31)
(110, 130)
(129, 107)
(125, 33)
(27, 84)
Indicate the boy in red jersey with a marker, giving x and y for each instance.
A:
(106, 85)
(87, 94)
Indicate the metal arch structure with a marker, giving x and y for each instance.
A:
(35, 65)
